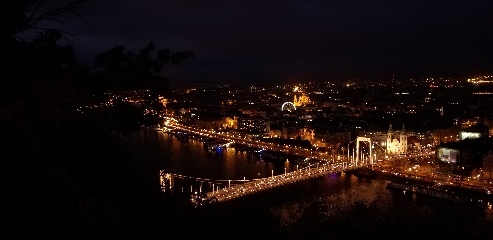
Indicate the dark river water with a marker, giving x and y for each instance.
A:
(327, 207)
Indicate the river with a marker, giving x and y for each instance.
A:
(323, 208)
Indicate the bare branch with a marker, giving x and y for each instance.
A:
(56, 20)
(38, 29)
(76, 13)
(36, 8)
(71, 7)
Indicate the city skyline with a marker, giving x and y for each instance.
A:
(293, 41)
(94, 150)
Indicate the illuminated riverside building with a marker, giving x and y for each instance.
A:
(393, 142)
(464, 156)
(396, 141)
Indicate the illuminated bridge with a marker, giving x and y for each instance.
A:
(223, 190)
(181, 183)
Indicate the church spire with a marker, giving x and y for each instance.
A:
(390, 129)
(403, 129)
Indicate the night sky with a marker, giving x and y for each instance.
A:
(305, 40)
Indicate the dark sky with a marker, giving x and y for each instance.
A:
(305, 40)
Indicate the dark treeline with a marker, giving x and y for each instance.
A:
(64, 172)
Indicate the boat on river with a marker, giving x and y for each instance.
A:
(364, 172)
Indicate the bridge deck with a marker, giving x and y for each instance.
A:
(258, 185)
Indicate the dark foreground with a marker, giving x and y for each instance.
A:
(285, 213)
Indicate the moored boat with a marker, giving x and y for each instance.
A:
(364, 173)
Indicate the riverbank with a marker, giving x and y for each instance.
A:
(428, 186)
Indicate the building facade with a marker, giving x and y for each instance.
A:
(252, 124)
(393, 142)
(396, 141)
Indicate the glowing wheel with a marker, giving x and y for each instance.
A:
(288, 106)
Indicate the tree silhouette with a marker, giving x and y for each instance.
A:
(118, 69)
(121, 69)
(19, 16)
(64, 172)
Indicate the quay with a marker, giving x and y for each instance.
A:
(445, 192)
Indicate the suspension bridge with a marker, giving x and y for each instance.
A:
(197, 184)
(224, 190)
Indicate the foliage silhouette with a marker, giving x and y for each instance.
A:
(64, 171)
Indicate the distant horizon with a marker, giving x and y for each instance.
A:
(292, 41)
(182, 83)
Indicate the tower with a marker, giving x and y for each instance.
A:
(166, 180)
(403, 140)
(300, 99)
(389, 139)
(295, 101)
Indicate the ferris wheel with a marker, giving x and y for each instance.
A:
(288, 106)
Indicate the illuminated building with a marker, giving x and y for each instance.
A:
(477, 131)
(231, 123)
(307, 134)
(396, 141)
(481, 80)
(300, 98)
(462, 157)
(466, 123)
(248, 123)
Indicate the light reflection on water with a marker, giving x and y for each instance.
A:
(331, 197)
(190, 158)
(356, 203)
(335, 193)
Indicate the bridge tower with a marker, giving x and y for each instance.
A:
(166, 180)
(364, 139)
(403, 140)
